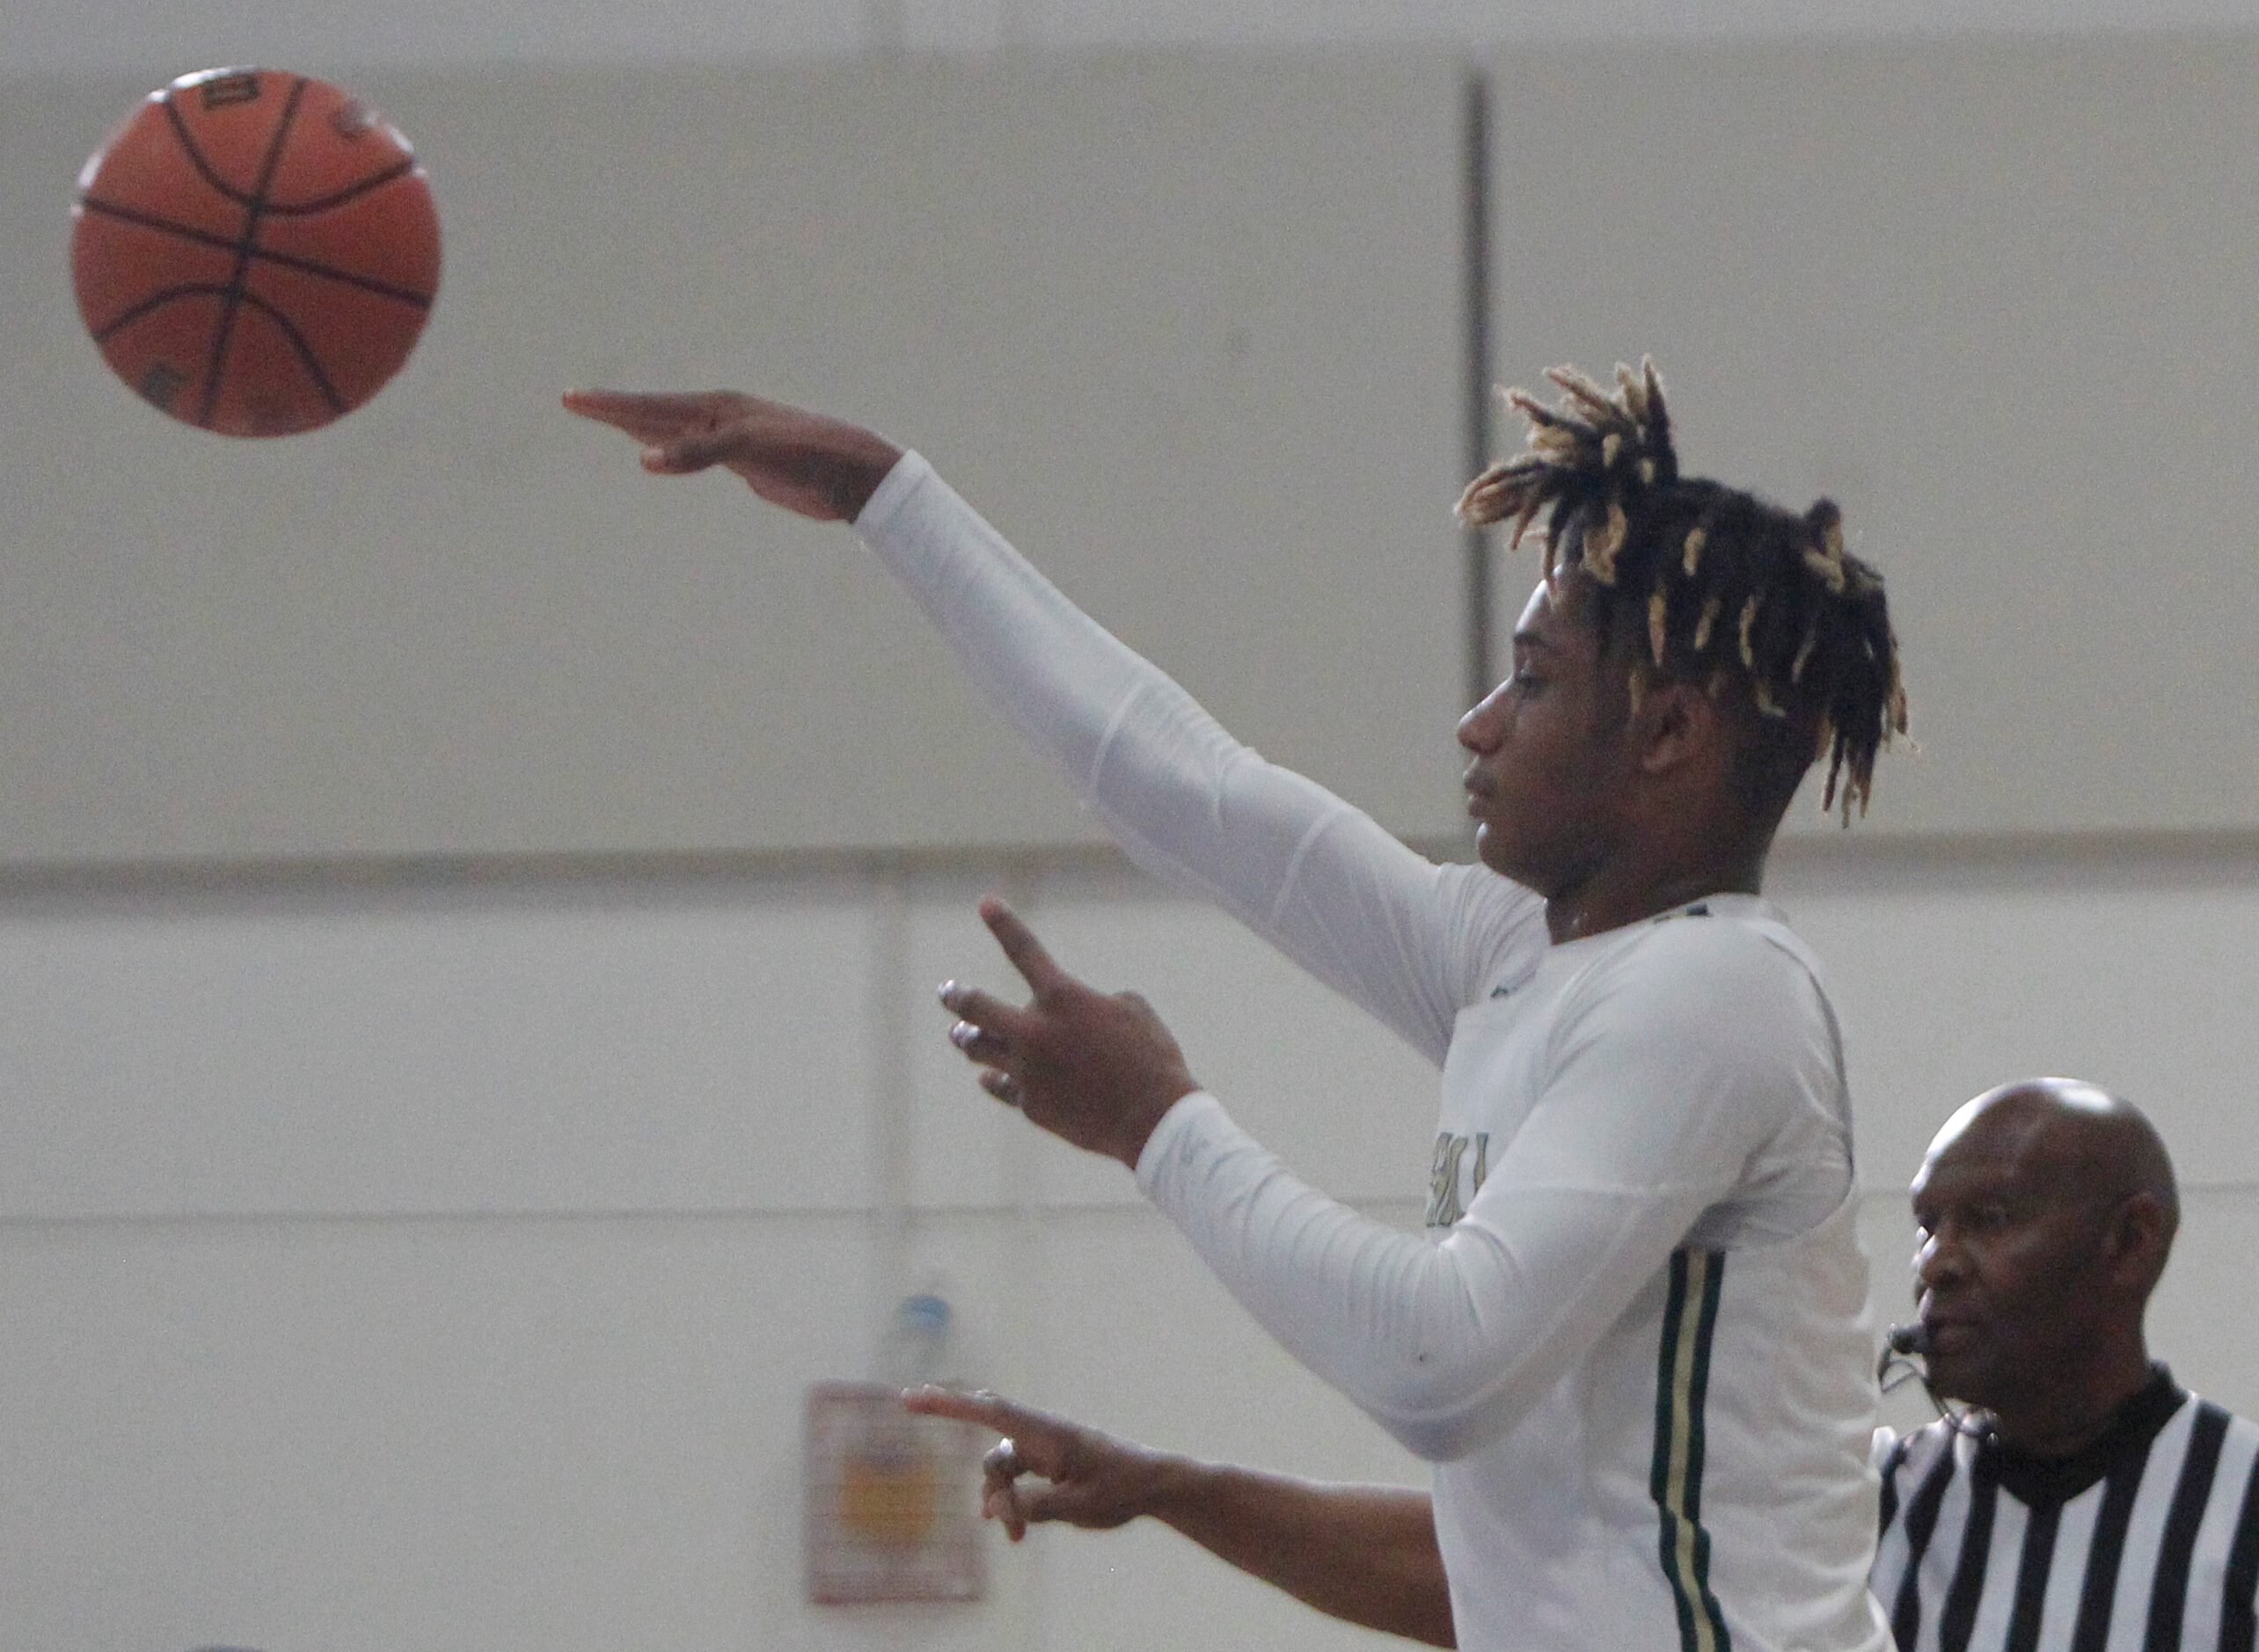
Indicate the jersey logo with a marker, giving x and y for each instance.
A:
(1444, 1205)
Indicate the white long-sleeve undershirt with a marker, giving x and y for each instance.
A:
(1407, 939)
(1682, 1065)
(1668, 1061)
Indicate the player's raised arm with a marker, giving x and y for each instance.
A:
(1318, 878)
(1367, 1554)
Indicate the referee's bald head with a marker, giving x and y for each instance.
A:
(2044, 1214)
(2091, 1144)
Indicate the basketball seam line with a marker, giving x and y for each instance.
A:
(196, 156)
(205, 237)
(157, 300)
(233, 301)
(298, 341)
(375, 180)
(229, 191)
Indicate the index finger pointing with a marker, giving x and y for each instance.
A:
(991, 1411)
(648, 416)
(1021, 946)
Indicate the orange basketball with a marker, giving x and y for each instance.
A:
(254, 252)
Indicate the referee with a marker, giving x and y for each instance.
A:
(2085, 1500)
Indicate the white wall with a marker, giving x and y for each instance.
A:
(1134, 311)
(444, 1268)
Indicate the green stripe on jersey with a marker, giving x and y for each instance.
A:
(1690, 1321)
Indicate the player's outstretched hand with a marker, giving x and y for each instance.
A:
(819, 466)
(1087, 1479)
(1097, 1069)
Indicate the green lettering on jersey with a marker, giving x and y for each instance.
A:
(1445, 1206)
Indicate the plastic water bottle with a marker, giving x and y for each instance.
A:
(918, 1340)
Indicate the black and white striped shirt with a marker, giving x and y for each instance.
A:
(2146, 1541)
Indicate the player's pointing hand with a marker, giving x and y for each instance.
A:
(1087, 1479)
(1096, 1069)
(818, 466)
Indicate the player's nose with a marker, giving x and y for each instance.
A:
(1484, 725)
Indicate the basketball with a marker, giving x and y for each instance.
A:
(254, 252)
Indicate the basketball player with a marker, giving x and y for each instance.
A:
(1635, 1344)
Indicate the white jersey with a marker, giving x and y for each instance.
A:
(1634, 1339)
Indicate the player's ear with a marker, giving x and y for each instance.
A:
(1677, 723)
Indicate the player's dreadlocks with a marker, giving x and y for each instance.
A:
(1732, 590)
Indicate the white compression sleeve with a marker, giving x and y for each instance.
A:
(1317, 878)
(1646, 1120)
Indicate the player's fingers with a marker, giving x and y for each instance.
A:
(1004, 1464)
(1034, 1505)
(682, 455)
(986, 1011)
(979, 1043)
(1000, 1498)
(1002, 1085)
(647, 416)
(989, 1410)
(999, 1413)
(1037, 1439)
(1002, 1502)
(1020, 946)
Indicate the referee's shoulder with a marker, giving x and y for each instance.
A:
(2239, 1430)
(2236, 1420)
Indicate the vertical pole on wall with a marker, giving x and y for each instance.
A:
(892, 1082)
(1476, 228)
(1027, 1312)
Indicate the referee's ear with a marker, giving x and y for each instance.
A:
(2137, 1242)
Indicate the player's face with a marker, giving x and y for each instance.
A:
(2005, 1275)
(1549, 748)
